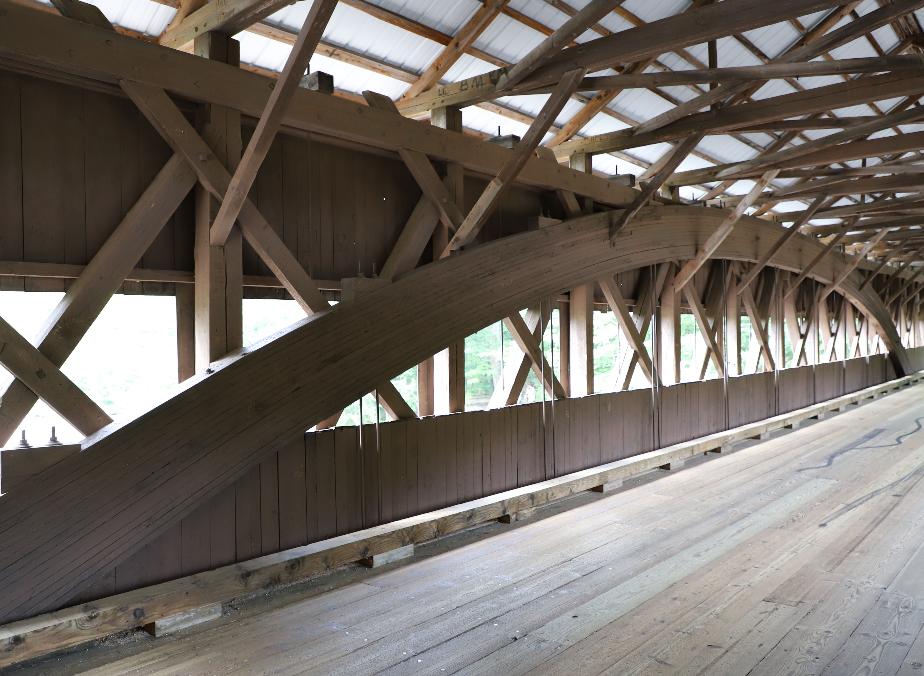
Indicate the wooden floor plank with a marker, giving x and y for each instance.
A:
(802, 553)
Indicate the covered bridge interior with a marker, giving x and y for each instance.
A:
(607, 348)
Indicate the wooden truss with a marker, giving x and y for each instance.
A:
(57, 537)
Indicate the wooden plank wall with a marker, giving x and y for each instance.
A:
(319, 196)
(751, 398)
(916, 354)
(336, 481)
(796, 388)
(98, 159)
(691, 410)
(829, 381)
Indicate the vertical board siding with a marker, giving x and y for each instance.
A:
(829, 381)
(101, 156)
(751, 398)
(797, 388)
(856, 375)
(341, 480)
(691, 410)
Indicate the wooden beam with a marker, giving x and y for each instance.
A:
(645, 311)
(150, 474)
(857, 258)
(185, 332)
(674, 157)
(271, 119)
(88, 295)
(823, 37)
(618, 305)
(886, 145)
(507, 392)
(760, 329)
(37, 372)
(61, 46)
(762, 73)
(904, 286)
(816, 100)
(163, 114)
(634, 44)
(581, 340)
(806, 271)
(762, 162)
(716, 238)
(449, 363)
(225, 16)
(218, 269)
(460, 42)
(702, 321)
(523, 337)
(486, 203)
(422, 170)
(783, 239)
(558, 40)
(669, 333)
(593, 106)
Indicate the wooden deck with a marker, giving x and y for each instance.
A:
(800, 554)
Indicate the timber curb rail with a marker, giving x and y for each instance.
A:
(69, 627)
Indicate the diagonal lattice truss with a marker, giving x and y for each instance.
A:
(848, 187)
(850, 72)
(845, 128)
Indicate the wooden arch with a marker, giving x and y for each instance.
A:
(131, 483)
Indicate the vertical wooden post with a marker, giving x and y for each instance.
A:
(669, 333)
(185, 331)
(564, 346)
(583, 162)
(218, 270)
(448, 372)
(581, 340)
(822, 326)
(850, 328)
(777, 323)
(581, 315)
(733, 327)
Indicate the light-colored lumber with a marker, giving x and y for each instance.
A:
(685, 274)
(634, 44)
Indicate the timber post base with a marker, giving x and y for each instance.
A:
(392, 555)
(189, 618)
(608, 487)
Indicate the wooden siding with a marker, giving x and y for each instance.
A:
(339, 209)
(336, 481)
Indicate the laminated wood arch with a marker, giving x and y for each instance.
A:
(132, 482)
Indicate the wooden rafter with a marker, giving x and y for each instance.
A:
(714, 240)
(271, 119)
(484, 206)
(461, 41)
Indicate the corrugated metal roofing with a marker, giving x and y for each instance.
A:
(509, 40)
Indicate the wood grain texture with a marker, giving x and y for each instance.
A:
(155, 470)
(78, 624)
